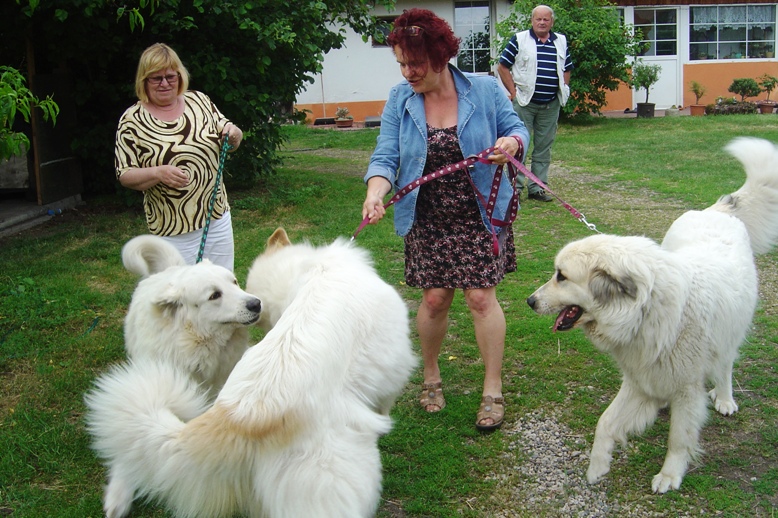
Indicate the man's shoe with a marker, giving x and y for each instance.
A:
(540, 196)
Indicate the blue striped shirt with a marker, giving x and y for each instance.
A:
(547, 80)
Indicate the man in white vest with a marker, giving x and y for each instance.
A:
(535, 69)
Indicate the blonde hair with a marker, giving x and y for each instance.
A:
(155, 58)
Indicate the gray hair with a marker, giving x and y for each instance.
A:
(537, 7)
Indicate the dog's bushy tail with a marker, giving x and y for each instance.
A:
(147, 254)
(136, 414)
(756, 202)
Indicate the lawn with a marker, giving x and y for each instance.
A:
(64, 293)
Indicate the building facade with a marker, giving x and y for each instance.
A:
(705, 41)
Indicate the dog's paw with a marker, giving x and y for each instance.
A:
(663, 483)
(723, 406)
(597, 470)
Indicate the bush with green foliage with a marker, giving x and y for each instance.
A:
(16, 98)
(599, 43)
(744, 87)
(251, 58)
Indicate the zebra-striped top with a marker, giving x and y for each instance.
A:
(191, 143)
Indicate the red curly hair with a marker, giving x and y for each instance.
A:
(435, 41)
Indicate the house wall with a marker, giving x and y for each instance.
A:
(359, 76)
(715, 77)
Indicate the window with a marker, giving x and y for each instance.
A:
(657, 30)
(732, 32)
(471, 24)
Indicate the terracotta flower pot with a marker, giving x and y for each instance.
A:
(766, 108)
(697, 109)
(344, 123)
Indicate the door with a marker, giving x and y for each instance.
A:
(657, 28)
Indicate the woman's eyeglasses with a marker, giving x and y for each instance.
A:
(410, 30)
(157, 80)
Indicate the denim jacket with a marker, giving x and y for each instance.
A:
(484, 114)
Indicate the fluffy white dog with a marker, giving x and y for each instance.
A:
(194, 317)
(294, 430)
(672, 316)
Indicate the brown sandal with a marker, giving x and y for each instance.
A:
(491, 408)
(432, 396)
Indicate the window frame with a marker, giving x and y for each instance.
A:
(721, 39)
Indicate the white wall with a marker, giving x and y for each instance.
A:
(359, 72)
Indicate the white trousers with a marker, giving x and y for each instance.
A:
(219, 243)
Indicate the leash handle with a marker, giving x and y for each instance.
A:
(226, 146)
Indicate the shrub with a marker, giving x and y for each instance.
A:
(744, 87)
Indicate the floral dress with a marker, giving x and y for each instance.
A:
(448, 245)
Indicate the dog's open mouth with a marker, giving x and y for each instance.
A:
(567, 318)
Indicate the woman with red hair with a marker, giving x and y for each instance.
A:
(437, 116)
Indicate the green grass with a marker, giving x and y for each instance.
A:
(64, 293)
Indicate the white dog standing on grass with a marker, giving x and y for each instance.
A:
(194, 317)
(294, 431)
(672, 316)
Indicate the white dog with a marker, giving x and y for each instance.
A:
(673, 316)
(294, 431)
(195, 317)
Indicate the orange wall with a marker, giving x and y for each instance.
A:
(358, 110)
(716, 78)
(619, 99)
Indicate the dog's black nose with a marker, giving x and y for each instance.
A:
(531, 301)
(255, 306)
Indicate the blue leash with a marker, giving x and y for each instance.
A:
(222, 156)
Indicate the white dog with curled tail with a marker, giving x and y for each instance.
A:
(672, 315)
(294, 431)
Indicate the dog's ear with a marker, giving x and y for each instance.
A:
(606, 287)
(277, 240)
(169, 298)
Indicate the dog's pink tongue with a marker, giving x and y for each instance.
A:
(559, 320)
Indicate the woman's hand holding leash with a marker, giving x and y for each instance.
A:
(512, 145)
(373, 209)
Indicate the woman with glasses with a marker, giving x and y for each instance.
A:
(168, 145)
(438, 116)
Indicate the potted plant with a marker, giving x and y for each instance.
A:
(343, 118)
(768, 84)
(645, 76)
(698, 90)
